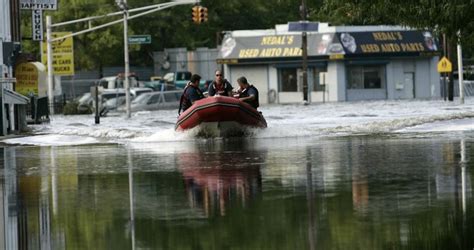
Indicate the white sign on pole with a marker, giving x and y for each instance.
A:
(37, 24)
(39, 4)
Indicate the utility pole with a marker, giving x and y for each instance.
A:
(49, 51)
(445, 89)
(460, 70)
(450, 74)
(303, 12)
(123, 5)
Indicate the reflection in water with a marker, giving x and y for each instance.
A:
(463, 163)
(214, 180)
(130, 192)
(309, 200)
(10, 204)
(351, 193)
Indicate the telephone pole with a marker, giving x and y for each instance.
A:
(304, 15)
(123, 6)
(460, 70)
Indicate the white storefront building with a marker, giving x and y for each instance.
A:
(345, 63)
(12, 104)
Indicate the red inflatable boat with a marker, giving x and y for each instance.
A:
(220, 116)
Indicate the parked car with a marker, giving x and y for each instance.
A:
(113, 99)
(180, 79)
(155, 101)
(159, 85)
(112, 104)
(85, 103)
(116, 82)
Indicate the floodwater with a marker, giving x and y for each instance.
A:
(372, 192)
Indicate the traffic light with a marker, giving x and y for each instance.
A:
(196, 18)
(199, 14)
(202, 14)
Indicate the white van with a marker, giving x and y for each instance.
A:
(117, 82)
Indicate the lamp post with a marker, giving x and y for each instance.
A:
(122, 4)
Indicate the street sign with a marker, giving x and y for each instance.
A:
(139, 39)
(37, 25)
(63, 54)
(303, 26)
(444, 65)
(39, 4)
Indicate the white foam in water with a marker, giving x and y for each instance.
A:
(343, 118)
(52, 140)
(442, 126)
(167, 135)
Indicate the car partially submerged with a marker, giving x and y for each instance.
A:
(85, 103)
(155, 101)
(113, 99)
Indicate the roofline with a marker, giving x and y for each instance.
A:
(282, 29)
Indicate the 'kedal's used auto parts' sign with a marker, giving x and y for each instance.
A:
(334, 46)
(279, 46)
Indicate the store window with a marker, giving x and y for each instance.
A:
(366, 77)
(288, 80)
(319, 79)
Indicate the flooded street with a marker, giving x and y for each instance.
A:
(406, 191)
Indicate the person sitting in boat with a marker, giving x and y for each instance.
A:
(247, 92)
(191, 93)
(220, 86)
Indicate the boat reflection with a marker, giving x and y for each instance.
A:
(214, 180)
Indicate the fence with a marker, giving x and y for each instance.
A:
(38, 109)
(76, 88)
(468, 88)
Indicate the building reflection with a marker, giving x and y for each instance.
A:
(10, 213)
(320, 195)
(397, 175)
(310, 202)
(30, 199)
(212, 180)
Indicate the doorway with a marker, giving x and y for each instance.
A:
(409, 82)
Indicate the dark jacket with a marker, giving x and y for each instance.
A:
(251, 90)
(224, 91)
(190, 95)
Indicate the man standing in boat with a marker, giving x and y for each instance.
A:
(247, 92)
(220, 86)
(191, 93)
